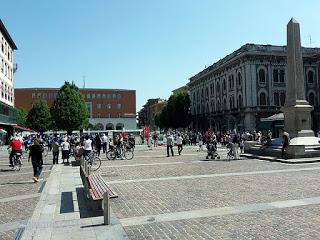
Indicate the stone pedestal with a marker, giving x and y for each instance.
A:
(297, 119)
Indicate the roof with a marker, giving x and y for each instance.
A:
(81, 89)
(7, 36)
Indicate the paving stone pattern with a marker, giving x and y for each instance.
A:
(169, 196)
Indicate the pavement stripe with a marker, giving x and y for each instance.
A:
(12, 225)
(20, 197)
(142, 164)
(25, 173)
(175, 216)
(214, 175)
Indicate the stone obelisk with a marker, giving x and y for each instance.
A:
(297, 111)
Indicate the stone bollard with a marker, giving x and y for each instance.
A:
(106, 208)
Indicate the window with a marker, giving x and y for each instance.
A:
(109, 105)
(263, 99)
(239, 79)
(104, 96)
(114, 96)
(224, 85)
(119, 96)
(282, 98)
(282, 77)
(88, 95)
(33, 95)
(311, 99)
(240, 101)
(44, 95)
(98, 95)
(109, 96)
(119, 106)
(276, 99)
(275, 75)
(262, 76)
(224, 104)
(98, 106)
(310, 77)
(38, 95)
(93, 95)
(218, 87)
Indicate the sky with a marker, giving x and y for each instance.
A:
(151, 46)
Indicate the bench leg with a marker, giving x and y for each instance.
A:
(106, 208)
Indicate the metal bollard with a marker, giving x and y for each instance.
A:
(106, 208)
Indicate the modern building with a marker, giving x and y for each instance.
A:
(7, 111)
(147, 113)
(247, 85)
(112, 109)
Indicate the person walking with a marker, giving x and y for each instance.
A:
(36, 158)
(169, 144)
(104, 141)
(87, 146)
(179, 143)
(65, 146)
(286, 142)
(55, 151)
(98, 144)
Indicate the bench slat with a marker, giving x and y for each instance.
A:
(93, 188)
(100, 186)
(112, 194)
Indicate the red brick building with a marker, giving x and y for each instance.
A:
(110, 108)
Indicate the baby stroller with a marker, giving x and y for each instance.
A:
(212, 151)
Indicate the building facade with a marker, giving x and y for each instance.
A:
(112, 109)
(147, 113)
(7, 111)
(247, 85)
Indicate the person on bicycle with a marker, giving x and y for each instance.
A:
(120, 147)
(16, 147)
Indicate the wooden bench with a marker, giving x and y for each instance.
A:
(98, 190)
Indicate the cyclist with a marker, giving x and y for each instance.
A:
(120, 147)
(87, 146)
(16, 147)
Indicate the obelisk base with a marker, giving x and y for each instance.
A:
(297, 119)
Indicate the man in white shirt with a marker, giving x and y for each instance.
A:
(87, 148)
(169, 144)
(104, 141)
(179, 143)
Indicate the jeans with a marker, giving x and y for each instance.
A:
(104, 147)
(55, 157)
(179, 148)
(37, 169)
(86, 153)
(169, 146)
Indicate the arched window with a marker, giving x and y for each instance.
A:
(224, 104)
(239, 101)
(109, 126)
(218, 105)
(262, 76)
(207, 93)
(119, 126)
(224, 85)
(239, 79)
(311, 99)
(282, 98)
(263, 99)
(310, 77)
(276, 99)
(218, 87)
(275, 75)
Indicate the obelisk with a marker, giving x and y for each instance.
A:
(297, 111)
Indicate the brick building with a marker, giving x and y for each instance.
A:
(109, 108)
(148, 111)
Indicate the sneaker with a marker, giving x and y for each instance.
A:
(35, 179)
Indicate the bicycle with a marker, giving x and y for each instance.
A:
(116, 153)
(16, 161)
(230, 153)
(93, 160)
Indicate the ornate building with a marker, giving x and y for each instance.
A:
(247, 85)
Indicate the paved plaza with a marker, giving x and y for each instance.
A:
(180, 197)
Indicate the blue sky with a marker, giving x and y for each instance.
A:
(152, 46)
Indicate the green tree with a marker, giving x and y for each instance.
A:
(176, 113)
(22, 115)
(69, 111)
(157, 120)
(39, 118)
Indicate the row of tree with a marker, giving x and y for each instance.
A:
(176, 114)
(67, 113)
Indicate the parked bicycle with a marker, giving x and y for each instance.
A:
(122, 153)
(93, 160)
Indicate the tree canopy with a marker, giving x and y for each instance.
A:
(22, 115)
(39, 118)
(69, 111)
(176, 113)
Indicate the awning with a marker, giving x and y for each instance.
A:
(265, 125)
(23, 128)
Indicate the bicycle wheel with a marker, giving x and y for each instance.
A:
(111, 155)
(128, 155)
(17, 164)
(96, 163)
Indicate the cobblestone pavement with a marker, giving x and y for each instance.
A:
(18, 194)
(167, 197)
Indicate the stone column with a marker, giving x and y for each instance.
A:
(297, 110)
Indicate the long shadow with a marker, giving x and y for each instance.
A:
(17, 183)
(66, 205)
(87, 207)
